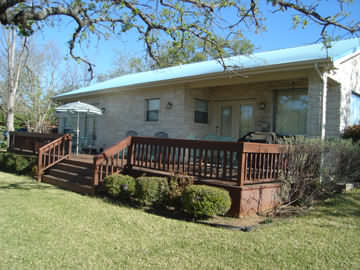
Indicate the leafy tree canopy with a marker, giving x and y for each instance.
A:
(173, 21)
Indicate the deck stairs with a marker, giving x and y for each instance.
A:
(73, 174)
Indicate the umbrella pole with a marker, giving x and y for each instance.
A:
(77, 134)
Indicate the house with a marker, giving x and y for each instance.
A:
(308, 90)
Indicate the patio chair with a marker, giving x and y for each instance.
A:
(131, 133)
(259, 137)
(161, 134)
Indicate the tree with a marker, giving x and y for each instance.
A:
(40, 82)
(29, 79)
(172, 20)
(16, 59)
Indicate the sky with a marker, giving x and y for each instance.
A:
(102, 53)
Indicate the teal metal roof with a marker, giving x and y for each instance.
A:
(295, 55)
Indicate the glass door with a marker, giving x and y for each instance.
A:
(226, 121)
(235, 119)
(246, 120)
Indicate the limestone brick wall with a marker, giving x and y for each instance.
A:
(193, 129)
(126, 111)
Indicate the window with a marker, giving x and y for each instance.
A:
(355, 109)
(201, 111)
(291, 111)
(152, 109)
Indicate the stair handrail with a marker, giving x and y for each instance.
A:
(52, 153)
(107, 162)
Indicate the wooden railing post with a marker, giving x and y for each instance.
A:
(70, 146)
(95, 172)
(39, 165)
(242, 166)
(130, 150)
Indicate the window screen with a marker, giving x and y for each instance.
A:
(355, 109)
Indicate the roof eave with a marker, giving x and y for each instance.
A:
(308, 64)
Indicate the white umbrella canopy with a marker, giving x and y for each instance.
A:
(78, 107)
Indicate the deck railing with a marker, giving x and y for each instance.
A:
(53, 153)
(240, 163)
(262, 163)
(29, 142)
(112, 160)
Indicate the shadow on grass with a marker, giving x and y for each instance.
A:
(26, 185)
(167, 212)
(341, 205)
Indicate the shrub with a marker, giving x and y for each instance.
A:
(352, 132)
(177, 185)
(201, 200)
(3, 145)
(14, 163)
(151, 190)
(120, 186)
(313, 167)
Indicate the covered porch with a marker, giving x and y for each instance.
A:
(287, 103)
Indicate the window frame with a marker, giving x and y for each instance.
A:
(353, 121)
(147, 111)
(197, 112)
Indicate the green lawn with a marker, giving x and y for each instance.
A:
(42, 227)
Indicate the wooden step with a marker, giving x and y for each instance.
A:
(78, 163)
(72, 176)
(68, 185)
(62, 166)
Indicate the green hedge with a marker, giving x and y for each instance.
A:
(15, 163)
(120, 186)
(152, 190)
(352, 132)
(201, 200)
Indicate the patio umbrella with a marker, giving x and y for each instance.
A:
(78, 107)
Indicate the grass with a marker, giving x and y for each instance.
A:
(42, 227)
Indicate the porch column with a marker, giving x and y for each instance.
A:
(323, 105)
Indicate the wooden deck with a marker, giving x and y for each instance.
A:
(246, 170)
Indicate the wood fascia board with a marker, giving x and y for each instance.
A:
(346, 58)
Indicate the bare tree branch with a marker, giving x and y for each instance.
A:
(163, 20)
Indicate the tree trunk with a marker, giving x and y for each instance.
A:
(15, 63)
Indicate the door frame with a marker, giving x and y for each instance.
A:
(235, 104)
